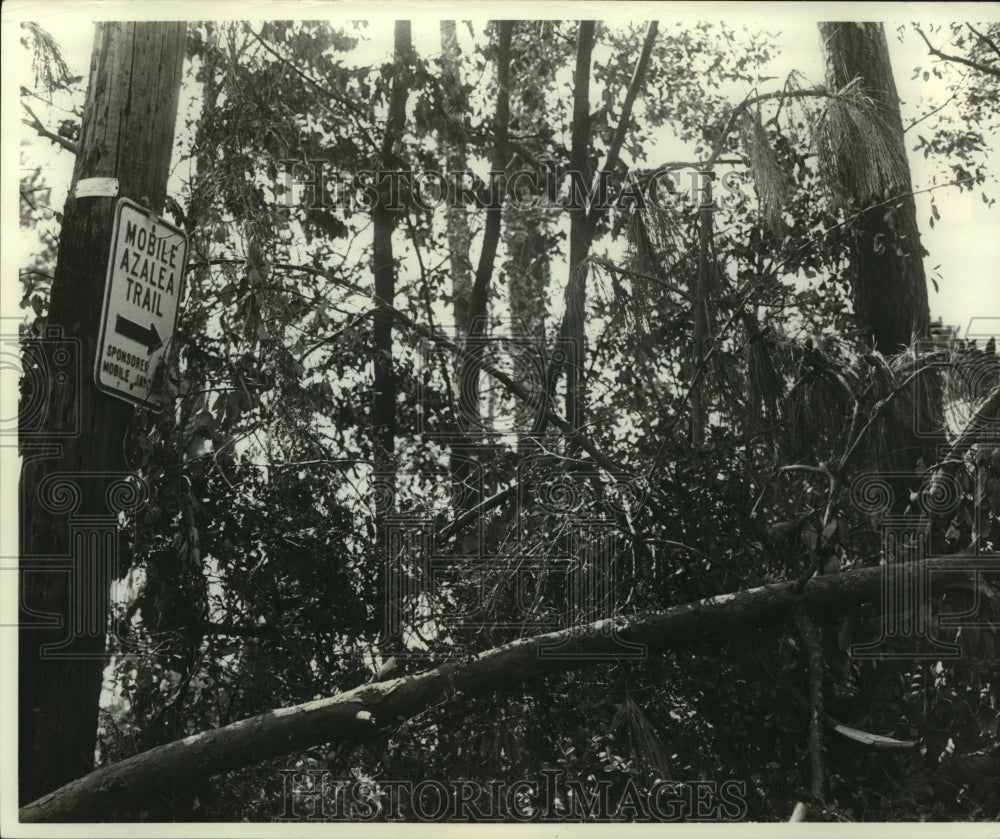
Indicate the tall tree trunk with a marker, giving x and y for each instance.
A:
(579, 243)
(384, 385)
(889, 285)
(890, 288)
(453, 144)
(479, 298)
(383, 266)
(528, 244)
(699, 316)
(469, 408)
(529, 236)
(453, 141)
(583, 223)
(71, 482)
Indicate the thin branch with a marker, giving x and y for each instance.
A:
(750, 101)
(638, 77)
(674, 165)
(240, 631)
(574, 313)
(582, 226)
(805, 467)
(985, 39)
(975, 65)
(614, 150)
(357, 112)
(478, 312)
(575, 436)
(329, 339)
(933, 111)
(36, 124)
(425, 281)
(850, 219)
(515, 387)
(609, 266)
(471, 515)
(667, 434)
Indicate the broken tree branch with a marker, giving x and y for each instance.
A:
(365, 710)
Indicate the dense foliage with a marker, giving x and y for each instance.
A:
(261, 569)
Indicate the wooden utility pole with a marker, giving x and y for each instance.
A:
(74, 476)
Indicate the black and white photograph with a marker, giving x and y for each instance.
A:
(532, 418)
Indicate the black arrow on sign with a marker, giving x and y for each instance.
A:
(149, 338)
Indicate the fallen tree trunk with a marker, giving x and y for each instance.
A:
(361, 712)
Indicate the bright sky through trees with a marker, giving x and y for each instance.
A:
(963, 242)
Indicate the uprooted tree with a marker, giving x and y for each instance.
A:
(432, 481)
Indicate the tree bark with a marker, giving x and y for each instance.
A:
(889, 286)
(699, 315)
(579, 246)
(72, 480)
(491, 233)
(469, 408)
(888, 282)
(360, 713)
(453, 143)
(384, 222)
(583, 223)
(383, 414)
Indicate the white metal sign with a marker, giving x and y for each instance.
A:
(141, 301)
